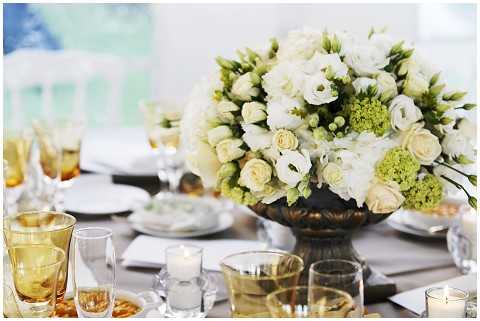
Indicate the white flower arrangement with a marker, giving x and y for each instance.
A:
(367, 118)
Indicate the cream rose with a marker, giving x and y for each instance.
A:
(415, 85)
(229, 149)
(255, 174)
(403, 112)
(318, 90)
(386, 85)
(292, 166)
(333, 175)
(384, 198)
(422, 144)
(243, 88)
(253, 112)
(217, 134)
(284, 139)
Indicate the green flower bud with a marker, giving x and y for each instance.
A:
(292, 196)
(454, 96)
(434, 79)
(468, 106)
(274, 44)
(313, 120)
(326, 44)
(435, 90)
(464, 160)
(445, 120)
(255, 79)
(442, 107)
(332, 127)
(472, 179)
(473, 202)
(407, 53)
(397, 48)
(217, 95)
(320, 133)
(224, 63)
(336, 44)
(339, 135)
(339, 120)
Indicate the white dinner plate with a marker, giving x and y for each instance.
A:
(102, 198)
(398, 222)
(225, 221)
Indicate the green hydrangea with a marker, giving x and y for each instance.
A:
(398, 165)
(236, 193)
(368, 114)
(425, 194)
(226, 171)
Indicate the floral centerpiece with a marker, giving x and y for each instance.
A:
(367, 120)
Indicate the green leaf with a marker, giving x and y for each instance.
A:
(292, 196)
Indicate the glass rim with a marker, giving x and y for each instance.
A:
(11, 217)
(428, 293)
(296, 257)
(198, 249)
(108, 233)
(357, 266)
(29, 246)
(307, 288)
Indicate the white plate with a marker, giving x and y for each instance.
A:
(225, 221)
(104, 198)
(398, 222)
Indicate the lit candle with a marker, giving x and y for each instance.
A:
(184, 262)
(446, 302)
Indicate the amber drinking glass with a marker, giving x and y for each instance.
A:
(45, 228)
(251, 276)
(35, 272)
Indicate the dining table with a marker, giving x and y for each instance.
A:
(409, 261)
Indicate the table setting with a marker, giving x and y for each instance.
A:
(325, 175)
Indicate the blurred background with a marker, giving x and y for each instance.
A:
(101, 59)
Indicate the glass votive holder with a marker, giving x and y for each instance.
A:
(184, 262)
(445, 302)
(462, 240)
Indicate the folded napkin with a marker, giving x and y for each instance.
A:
(414, 300)
(147, 251)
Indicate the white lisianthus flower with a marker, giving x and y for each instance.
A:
(292, 166)
(284, 139)
(403, 113)
(253, 112)
(384, 198)
(217, 134)
(468, 129)
(332, 62)
(300, 45)
(244, 89)
(415, 85)
(455, 144)
(362, 83)
(285, 79)
(256, 137)
(280, 116)
(386, 85)
(204, 163)
(318, 90)
(382, 42)
(229, 149)
(422, 144)
(366, 59)
(333, 175)
(255, 174)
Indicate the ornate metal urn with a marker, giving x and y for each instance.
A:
(323, 226)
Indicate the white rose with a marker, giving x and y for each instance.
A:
(256, 137)
(415, 85)
(455, 144)
(253, 112)
(468, 129)
(333, 175)
(285, 79)
(323, 63)
(280, 116)
(384, 198)
(366, 59)
(318, 90)
(362, 83)
(284, 139)
(229, 149)
(301, 166)
(243, 88)
(204, 163)
(422, 144)
(300, 44)
(386, 85)
(217, 134)
(255, 174)
(403, 112)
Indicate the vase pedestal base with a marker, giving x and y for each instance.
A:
(378, 287)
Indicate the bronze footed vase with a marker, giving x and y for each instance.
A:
(323, 226)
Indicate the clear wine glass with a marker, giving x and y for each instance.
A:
(94, 272)
(162, 124)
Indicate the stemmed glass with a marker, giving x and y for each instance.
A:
(162, 123)
(341, 275)
(93, 272)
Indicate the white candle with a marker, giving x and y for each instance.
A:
(446, 302)
(469, 229)
(184, 262)
(184, 296)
